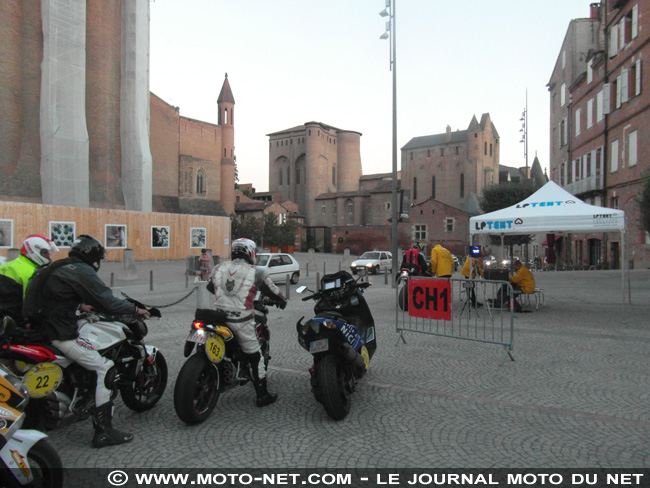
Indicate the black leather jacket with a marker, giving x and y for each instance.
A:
(58, 294)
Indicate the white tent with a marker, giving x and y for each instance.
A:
(552, 209)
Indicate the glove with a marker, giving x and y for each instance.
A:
(282, 304)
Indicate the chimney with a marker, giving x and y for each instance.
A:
(594, 11)
(448, 135)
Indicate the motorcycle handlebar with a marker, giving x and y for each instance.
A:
(351, 286)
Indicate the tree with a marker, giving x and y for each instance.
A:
(496, 197)
(644, 203)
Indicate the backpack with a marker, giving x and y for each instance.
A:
(34, 299)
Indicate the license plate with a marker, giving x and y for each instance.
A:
(319, 346)
(198, 338)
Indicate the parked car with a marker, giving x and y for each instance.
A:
(374, 261)
(279, 265)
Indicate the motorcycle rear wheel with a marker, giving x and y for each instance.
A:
(197, 389)
(46, 468)
(148, 387)
(403, 299)
(333, 392)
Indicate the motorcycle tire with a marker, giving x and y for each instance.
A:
(332, 390)
(148, 387)
(197, 389)
(403, 299)
(46, 468)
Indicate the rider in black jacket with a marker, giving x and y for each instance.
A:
(53, 297)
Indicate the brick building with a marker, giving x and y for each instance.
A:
(599, 125)
(80, 128)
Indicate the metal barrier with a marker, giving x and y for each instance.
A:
(447, 307)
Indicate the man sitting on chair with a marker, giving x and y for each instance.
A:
(522, 280)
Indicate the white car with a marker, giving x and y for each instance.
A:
(279, 265)
(374, 261)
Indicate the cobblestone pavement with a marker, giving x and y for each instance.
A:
(576, 395)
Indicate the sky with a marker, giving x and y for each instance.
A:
(295, 61)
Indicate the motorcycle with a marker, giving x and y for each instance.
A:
(63, 392)
(406, 271)
(219, 363)
(341, 337)
(27, 459)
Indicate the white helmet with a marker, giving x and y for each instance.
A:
(243, 249)
(37, 249)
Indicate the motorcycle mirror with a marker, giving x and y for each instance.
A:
(301, 289)
(8, 326)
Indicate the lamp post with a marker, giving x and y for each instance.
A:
(524, 129)
(389, 34)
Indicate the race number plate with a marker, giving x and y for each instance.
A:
(319, 346)
(215, 349)
(42, 379)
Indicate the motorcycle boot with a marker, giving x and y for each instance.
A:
(264, 398)
(105, 434)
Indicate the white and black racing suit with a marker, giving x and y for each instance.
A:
(236, 284)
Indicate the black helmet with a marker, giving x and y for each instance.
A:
(88, 249)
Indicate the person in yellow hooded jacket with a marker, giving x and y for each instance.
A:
(442, 263)
(472, 268)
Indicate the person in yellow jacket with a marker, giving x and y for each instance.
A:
(522, 280)
(442, 264)
(36, 252)
(473, 267)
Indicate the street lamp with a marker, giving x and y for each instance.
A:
(524, 136)
(389, 34)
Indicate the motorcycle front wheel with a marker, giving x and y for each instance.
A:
(403, 299)
(46, 468)
(197, 389)
(333, 392)
(148, 387)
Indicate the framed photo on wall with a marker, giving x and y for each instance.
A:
(115, 236)
(198, 237)
(6, 233)
(159, 236)
(63, 233)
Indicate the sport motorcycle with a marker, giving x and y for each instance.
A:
(218, 364)
(341, 337)
(26, 457)
(63, 392)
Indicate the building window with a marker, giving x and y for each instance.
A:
(449, 224)
(387, 205)
(297, 176)
(599, 106)
(457, 150)
(411, 156)
(200, 182)
(428, 153)
(490, 149)
(442, 152)
(280, 177)
(485, 148)
(614, 157)
(334, 175)
(288, 177)
(590, 113)
(350, 208)
(632, 149)
(614, 203)
(462, 185)
(577, 123)
(415, 189)
(420, 232)
(433, 187)
(562, 94)
(322, 210)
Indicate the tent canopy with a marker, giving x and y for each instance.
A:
(549, 209)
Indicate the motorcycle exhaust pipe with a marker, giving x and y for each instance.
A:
(352, 356)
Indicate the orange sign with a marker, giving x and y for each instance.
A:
(430, 298)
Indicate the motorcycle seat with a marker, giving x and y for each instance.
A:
(332, 315)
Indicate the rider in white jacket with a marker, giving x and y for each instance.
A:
(236, 283)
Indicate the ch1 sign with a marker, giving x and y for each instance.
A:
(430, 298)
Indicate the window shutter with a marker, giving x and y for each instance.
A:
(607, 90)
(613, 41)
(621, 33)
(635, 21)
(618, 91)
(624, 80)
(637, 81)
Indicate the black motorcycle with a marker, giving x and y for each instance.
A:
(407, 271)
(341, 338)
(219, 363)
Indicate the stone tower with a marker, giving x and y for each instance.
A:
(226, 107)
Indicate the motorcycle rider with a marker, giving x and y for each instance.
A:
(415, 260)
(51, 302)
(235, 284)
(15, 275)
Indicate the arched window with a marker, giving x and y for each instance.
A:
(200, 182)
(225, 115)
(462, 185)
(288, 177)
